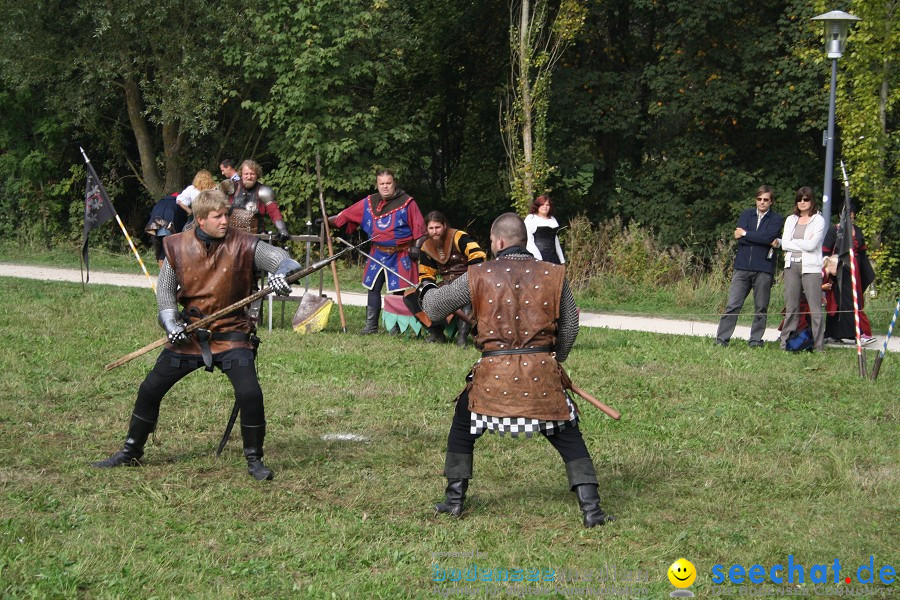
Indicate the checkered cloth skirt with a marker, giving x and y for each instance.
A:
(517, 426)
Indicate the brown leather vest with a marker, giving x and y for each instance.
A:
(516, 302)
(211, 279)
(450, 260)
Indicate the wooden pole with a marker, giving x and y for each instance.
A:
(334, 275)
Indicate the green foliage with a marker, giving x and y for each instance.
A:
(339, 87)
(631, 253)
(867, 106)
(35, 187)
(664, 114)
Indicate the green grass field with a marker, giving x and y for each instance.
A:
(723, 457)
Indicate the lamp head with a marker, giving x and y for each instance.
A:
(837, 23)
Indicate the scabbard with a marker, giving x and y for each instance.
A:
(567, 384)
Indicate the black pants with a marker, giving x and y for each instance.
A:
(170, 368)
(373, 298)
(567, 442)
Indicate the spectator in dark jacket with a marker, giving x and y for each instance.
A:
(757, 235)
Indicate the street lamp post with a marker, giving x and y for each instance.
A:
(836, 24)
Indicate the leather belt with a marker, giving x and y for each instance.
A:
(534, 350)
(205, 335)
(393, 249)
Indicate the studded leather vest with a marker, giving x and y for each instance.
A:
(450, 260)
(211, 277)
(516, 303)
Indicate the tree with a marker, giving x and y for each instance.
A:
(154, 64)
(338, 87)
(868, 98)
(535, 48)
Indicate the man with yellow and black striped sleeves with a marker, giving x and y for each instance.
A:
(449, 253)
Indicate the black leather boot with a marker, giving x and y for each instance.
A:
(436, 334)
(458, 471)
(372, 314)
(589, 501)
(253, 452)
(454, 496)
(462, 335)
(130, 455)
(583, 481)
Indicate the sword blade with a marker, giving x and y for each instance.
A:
(378, 262)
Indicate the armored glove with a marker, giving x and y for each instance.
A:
(278, 280)
(415, 251)
(170, 320)
(283, 234)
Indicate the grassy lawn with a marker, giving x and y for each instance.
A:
(730, 456)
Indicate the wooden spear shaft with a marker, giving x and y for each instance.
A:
(334, 275)
(292, 278)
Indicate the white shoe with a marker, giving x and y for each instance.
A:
(867, 339)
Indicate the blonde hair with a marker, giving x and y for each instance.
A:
(209, 201)
(203, 180)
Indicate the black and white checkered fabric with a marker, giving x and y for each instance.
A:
(518, 426)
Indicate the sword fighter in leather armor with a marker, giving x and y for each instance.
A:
(527, 322)
(207, 269)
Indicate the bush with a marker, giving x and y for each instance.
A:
(630, 253)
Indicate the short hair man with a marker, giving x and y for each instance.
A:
(757, 233)
(226, 167)
(449, 253)
(527, 323)
(252, 199)
(392, 220)
(207, 269)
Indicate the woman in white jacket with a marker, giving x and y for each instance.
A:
(801, 241)
(542, 226)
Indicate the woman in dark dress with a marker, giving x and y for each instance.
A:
(543, 242)
(840, 324)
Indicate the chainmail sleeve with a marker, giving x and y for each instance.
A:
(267, 257)
(439, 303)
(567, 325)
(166, 288)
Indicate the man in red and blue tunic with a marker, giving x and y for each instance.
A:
(393, 221)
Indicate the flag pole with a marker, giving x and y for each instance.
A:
(136, 253)
(887, 338)
(124, 231)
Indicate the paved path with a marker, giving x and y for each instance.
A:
(631, 323)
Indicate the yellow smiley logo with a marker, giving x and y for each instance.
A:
(682, 573)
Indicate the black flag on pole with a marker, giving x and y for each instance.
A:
(98, 209)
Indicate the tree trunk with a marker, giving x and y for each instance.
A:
(173, 140)
(150, 177)
(525, 87)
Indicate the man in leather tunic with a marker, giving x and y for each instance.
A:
(252, 200)
(527, 322)
(207, 269)
(449, 253)
(393, 221)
